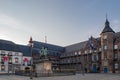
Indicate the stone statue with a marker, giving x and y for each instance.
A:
(43, 52)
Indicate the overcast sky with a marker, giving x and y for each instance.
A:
(64, 22)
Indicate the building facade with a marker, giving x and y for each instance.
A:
(98, 55)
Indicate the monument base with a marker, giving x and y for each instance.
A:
(44, 66)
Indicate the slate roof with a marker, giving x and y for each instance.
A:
(8, 45)
(26, 50)
(51, 47)
(53, 50)
(107, 28)
(76, 46)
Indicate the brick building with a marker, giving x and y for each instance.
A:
(100, 54)
(104, 57)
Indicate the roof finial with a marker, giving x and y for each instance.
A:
(107, 22)
(45, 39)
(106, 17)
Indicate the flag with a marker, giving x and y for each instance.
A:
(26, 61)
(90, 43)
(5, 58)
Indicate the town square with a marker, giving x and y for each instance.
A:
(59, 40)
(70, 77)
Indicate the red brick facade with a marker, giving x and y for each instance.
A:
(105, 58)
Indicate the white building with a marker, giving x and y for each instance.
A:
(10, 61)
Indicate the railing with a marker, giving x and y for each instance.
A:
(46, 74)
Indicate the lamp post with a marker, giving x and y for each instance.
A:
(31, 45)
(83, 65)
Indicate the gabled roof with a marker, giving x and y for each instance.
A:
(107, 28)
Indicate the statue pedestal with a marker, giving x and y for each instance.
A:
(44, 66)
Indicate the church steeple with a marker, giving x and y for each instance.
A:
(107, 27)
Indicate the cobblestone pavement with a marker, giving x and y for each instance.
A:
(71, 77)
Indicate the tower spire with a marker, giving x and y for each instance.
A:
(106, 17)
(107, 27)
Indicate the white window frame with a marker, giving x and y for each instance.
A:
(85, 52)
(75, 53)
(79, 52)
(105, 47)
(105, 37)
(90, 51)
(100, 49)
(115, 46)
(116, 65)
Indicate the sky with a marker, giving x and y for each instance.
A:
(64, 22)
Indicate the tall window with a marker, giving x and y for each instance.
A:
(90, 51)
(115, 56)
(105, 36)
(116, 66)
(115, 46)
(10, 59)
(105, 47)
(75, 53)
(16, 60)
(95, 58)
(99, 49)
(85, 52)
(2, 67)
(79, 53)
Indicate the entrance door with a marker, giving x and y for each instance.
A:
(94, 68)
(105, 70)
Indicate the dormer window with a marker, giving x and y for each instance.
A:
(105, 36)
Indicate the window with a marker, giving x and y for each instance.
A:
(85, 52)
(79, 52)
(95, 51)
(75, 53)
(85, 58)
(10, 53)
(10, 60)
(115, 46)
(20, 54)
(95, 58)
(16, 60)
(99, 49)
(116, 65)
(2, 67)
(16, 54)
(105, 47)
(105, 36)
(90, 51)
(115, 56)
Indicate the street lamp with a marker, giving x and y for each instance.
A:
(31, 45)
(83, 65)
